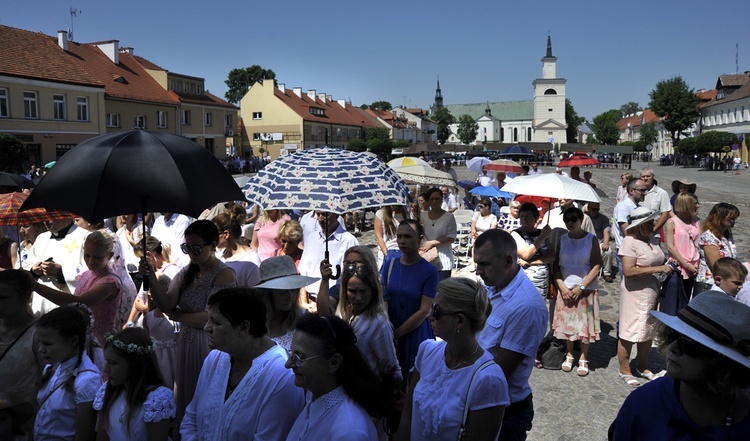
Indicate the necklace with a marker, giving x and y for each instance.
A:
(466, 360)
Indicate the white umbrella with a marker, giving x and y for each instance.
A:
(477, 163)
(552, 185)
(406, 161)
(424, 174)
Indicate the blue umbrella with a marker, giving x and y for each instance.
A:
(516, 150)
(467, 184)
(491, 191)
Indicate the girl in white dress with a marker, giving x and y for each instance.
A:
(70, 379)
(133, 404)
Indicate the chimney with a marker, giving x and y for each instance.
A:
(298, 91)
(111, 49)
(282, 87)
(126, 50)
(62, 39)
(311, 94)
(323, 97)
(342, 103)
(329, 97)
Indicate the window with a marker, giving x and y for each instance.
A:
(58, 107)
(140, 122)
(256, 136)
(550, 92)
(228, 121)
(113, 120)
(179, 86)
(4, 108)
(192, 88)
(208, 119)
(30, 105)
(528, 134)
(317, 111)
(257, 115)
(185, 118)
(199, 90)
(82, 104)
(161, 119)
(171, 84)
(515, 134)
(502, 134)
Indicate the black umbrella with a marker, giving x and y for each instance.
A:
(14, 181)
(132, 172)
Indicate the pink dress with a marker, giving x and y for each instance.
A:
(267, 231)
(106, 315)
(686, 241)
(638, 295)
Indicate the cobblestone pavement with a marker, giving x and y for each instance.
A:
(568, 407)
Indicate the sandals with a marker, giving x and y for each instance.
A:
(538, 364)
(583, 368)
(567, 366)
(650, 376)
(629, 380)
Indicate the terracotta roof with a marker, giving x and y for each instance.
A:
(207, 99)
(148, 64)
(334, 112)
(35, 55)
(368, 120)
(126, 80)
(643, 117)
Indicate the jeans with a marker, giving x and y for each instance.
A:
(619, 262)
(516, 425)
(607, 259)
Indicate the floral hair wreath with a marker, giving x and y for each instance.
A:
(131, 348)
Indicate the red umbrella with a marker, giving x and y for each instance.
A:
(504, 165)
(578, 160)
(9, 215)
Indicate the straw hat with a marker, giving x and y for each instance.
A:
(717, 321)
(641, 215)
(280, 273)
(692, 186)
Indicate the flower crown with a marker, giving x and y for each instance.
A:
(131, 348)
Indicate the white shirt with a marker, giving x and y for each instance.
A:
(263, 406)
(333, 417)
(620, 215)
(131, 260)
(159, 406)
(172, 232)
(375, 342)
(315, 245)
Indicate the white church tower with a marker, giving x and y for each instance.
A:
(549, 102)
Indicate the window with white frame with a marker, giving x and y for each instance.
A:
(113, 120)
(30, 105)
(140, 122)
(161, 119)
(185, 117)
(4, 105)
(58, 107)
(82, 104)
(228, 121)
(208, 119)
(257, 115)
(256, 136)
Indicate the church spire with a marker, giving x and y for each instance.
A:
(487, 110)
(438, 95)
(549, 46)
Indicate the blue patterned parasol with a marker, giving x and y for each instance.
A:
(326, 179)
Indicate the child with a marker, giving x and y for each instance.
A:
(70, 380)
(99, 288)
(165, 331)
(134, 404)
(729, 274)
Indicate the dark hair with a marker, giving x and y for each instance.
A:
(414, 224)
(486, 202)
(240, 304)
(69, 322)
(718, 213)
(728, 267)
(501, 242)
(20, 282)
(363, 385)
(528, 207)
(431, 191)
(573, 211)
(154, 245)
(632, 181)
(231, 221)
(208, 232)
(144, 374)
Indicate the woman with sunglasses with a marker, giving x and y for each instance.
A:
(440, 231)
(534, 248)
(409, 285)
(455, 373)
(705, 393)
(483, 220)
(186, 299)
(235, 254)
(343, 393)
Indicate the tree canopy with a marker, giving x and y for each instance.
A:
(605, 127)
(629, 108)
(467, 129)
(573, 121)
(649, 134)
(240, 80)
(379, 141)
(444, 119)
(707, 142)
(676, 103)
(382, 105)
(12, 153)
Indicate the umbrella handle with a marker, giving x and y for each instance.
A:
(337, 274)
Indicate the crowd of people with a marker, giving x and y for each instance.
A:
(274, 324)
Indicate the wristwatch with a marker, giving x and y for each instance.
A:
(582, 286)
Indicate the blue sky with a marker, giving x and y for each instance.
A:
(610, 52)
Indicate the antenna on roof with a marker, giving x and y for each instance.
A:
(73, 13)
(737, 58)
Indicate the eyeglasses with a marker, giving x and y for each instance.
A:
(437, 312)
(481, 206)
(297, 361)
(192, 249)
(688, 346)
(357, 268)
(570, 220)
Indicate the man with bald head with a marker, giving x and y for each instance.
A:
(516, 326)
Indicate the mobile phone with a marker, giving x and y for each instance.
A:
(49, 260)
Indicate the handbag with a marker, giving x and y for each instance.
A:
(462, 429)
(551, 353)
(431, 255)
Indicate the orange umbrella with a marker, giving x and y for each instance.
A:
(9, 215)
(578, 160)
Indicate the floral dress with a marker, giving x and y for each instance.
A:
(158, 406)
(726, 249)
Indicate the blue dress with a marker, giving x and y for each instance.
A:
(403, 290)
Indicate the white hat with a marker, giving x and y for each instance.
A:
(280, 273)
(641, 215)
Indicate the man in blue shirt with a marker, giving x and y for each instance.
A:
(516, 326)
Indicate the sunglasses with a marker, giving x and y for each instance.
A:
(358, 269)
(296, 361)
(192, 249)
(437, 312)
(688, 346)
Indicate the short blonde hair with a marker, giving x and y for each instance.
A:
(291, 230)
(465, 295)
(101, 239)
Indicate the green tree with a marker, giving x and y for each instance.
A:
(240, 80)
(676, 104)
(467, 129)
(379, 141)
(357, 145)
(605, 127)
(401, 144)
(688, 146)
(573, 121)
(629, 108)
(713, 141)
(444, 119)
(649, 134)
(12, 153)
(382, 105)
